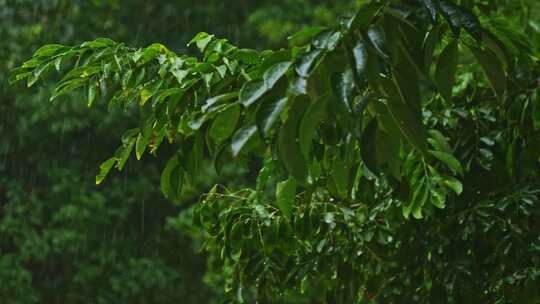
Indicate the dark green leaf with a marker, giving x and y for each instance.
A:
(327, 40)
(305, 34)
(449, 160)
(438, 141)
(458, 17)
(171, 179)
(493, 69)
(289, 150)
(143, 139)
(360, 56)
(306, 62)
(430, 43)
(343, 86)
(373, 69)
(365, 15)
(274, 73)
(225, 123)
(340, 175)
(247, 56)
(378, 40)
(451, 13)
(309, 124)
(407, 121)
(269, 112)
(241, 138)
(217, 100)
(536, 113)
(252, 91)
(433, 8)
(446, 70)
(285, 195)
(497, 47)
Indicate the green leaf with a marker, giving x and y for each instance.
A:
(446, 70)
(241, 138)
(217, 100)
(408, 80)
(285, 196)
(194, 161)
(378, 40)
(92, 92)
(225, 123)
(438, 198)
(222, 157)
(104, 169)
(269, 112)
(202, 40)
(373, 69)
(151, 52)
(274, 73)
(73, 80)
(247, 56)
(305, 34)
(492, 68)
(433, 8)
(453, 184)
(387, 145)
(264, 175)
(99, 43)
(438, 141)
(430, 43)
(451, 14)
(143, 139)
(407, 121)
(171, 179)
(124, 152)
(418, 200)
(327, 40)
(252, 91)
(343, 86)
(360, 56)
(340, 175)
(458, 17)
(289, 150)
(365, 15)
(49, 50)
(37, 73)
(497, 47)
(406, 210)
(305, 63)
(368, 146)
(449, 160)
(536, 113)
(309, 124)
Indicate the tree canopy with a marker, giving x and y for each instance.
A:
(393, 157)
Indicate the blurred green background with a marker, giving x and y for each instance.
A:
(62, 238)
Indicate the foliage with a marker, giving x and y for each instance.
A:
(398, 151)
(63, 239)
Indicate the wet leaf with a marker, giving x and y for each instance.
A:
(446, 70)
(285, 196)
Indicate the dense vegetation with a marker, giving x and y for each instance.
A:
(392, 157)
